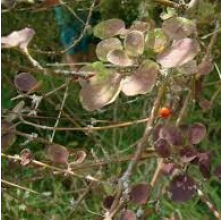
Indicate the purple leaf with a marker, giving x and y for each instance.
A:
(169, 169)
(100, 90)
(105, 46)
(119, 58)
(128, 215)
(187, 154)
(172, 134)
(204, 163)
(134, 43)
(179, 53)
(109, 28)
(140, 193)
(57, 153)
(162, 147)
(108, 201)
(196, 133)
(142, 80)
(25, 82)
(182, 188)
(179, 27)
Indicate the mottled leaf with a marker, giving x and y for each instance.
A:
(156, 40)
(140, 193)
(25, 82)
(19, 39)
(128, 215)
(179, 27)
(205, 67)
(134, 43)
(100, 90)
(119, 58)
(169, 169)
(142, 80)
(187, 154)
(140, 26)
(57, 153)
(172, 134)
(204, 163)
(109, 28)
(26, 157)
(179, 53)
(188, 68)
(162, 147)
(182, 188)
(196, 133)
(8, 136)
(105, 46)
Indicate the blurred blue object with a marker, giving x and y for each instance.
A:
(70, 29)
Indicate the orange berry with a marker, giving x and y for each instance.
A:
(165, 112)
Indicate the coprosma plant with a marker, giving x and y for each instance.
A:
(135, 60)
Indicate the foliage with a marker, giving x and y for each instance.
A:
(132, 134)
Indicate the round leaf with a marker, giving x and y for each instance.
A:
(108, 201)
(140, 193)
(172, 134)
(142, 81)
(162, 148)
(179, 53)
(57, 153)
(25, 82)
(178, 27)
(182, 188)
(119, 58)
(128, 215)
(134, 43)
(105, 46)
(109, 28)
(100, 91)
(196, 133)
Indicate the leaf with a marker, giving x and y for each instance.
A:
(179, 27)
(19, 39)
(57, 153)
(162, 147)
(140, 193)
(187, 154)
(109, 28)
(204, 163)
(100, 90)
(108, 201)
(172, 134)
(140, 26)
(26, 157)
(156, 132)
(179, 53)
(188, 68)
(217, 171)
(142, 80)
(205, 67)
(169, 169)
(80, 157)
(196, 133)
(128, 215)
(182, 188)
(25, 82)
(119, 58)
(134, 43)
(156, 40)
(105, 46)
(8, 136)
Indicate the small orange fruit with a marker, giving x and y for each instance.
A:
(165, 112)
